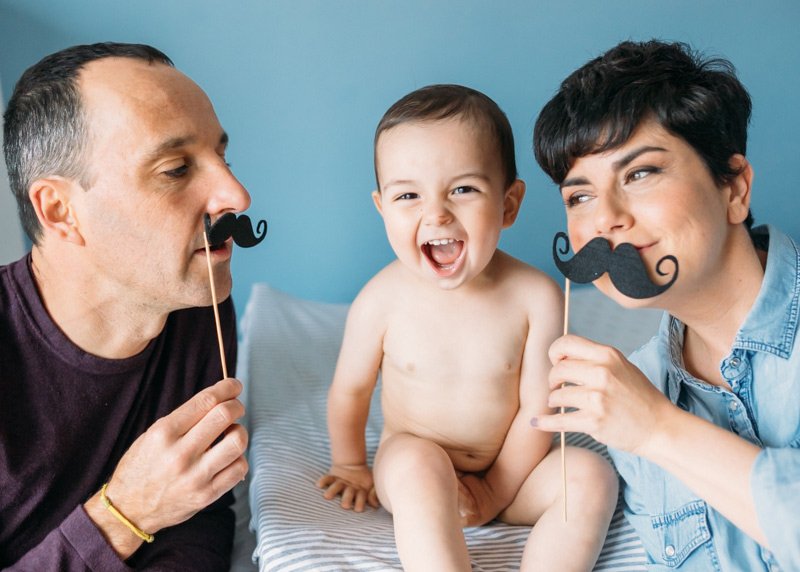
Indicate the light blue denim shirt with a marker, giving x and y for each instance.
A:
(678, 529)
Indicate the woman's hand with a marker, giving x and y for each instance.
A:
(615, 403)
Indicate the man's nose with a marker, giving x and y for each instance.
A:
(227, 193)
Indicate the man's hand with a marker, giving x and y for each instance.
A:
(181, 464)
(354, 483)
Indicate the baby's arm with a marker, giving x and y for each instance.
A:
(348, 404)
(523, 447)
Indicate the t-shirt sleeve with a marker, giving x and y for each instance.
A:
(75, 546)
(202, 544)
(775, 482)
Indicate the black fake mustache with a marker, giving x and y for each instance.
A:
(625, 268)
(240, 228)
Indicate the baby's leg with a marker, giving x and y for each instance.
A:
(592, 488)
(416, 482)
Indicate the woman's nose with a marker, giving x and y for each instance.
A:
(611, 214)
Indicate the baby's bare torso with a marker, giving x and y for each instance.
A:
(451, 370)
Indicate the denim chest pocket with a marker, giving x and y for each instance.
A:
(674, 536)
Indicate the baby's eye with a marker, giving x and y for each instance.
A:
(178, 172)
(406, 197)
(463, 190)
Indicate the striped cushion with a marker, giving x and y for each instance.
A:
(287, 357)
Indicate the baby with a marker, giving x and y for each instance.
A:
(459, 332)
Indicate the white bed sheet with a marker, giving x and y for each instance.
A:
(286, 359)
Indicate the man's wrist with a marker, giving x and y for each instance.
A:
(147, 537)
(118, 536)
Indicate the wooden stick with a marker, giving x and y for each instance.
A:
(563, 440)
(216, 309)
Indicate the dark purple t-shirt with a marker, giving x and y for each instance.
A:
(67, 417)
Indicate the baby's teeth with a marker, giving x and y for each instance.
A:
(438, 242)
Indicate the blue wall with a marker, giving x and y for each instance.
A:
(300, 85)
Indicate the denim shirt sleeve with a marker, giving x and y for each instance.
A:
(775, 483)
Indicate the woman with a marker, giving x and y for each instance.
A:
(647, 144)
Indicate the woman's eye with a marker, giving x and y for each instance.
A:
(464, 190)
(575, 199)
(178, 172)
(640, 173)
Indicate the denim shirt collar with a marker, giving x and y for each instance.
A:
(772, 323)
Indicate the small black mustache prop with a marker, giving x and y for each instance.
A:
(625, 268)
(240, 228)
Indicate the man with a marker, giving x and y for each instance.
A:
(107, 366)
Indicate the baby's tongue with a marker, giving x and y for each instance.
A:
(446, 253)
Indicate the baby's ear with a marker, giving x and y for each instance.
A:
(376, 198)
(512, 201)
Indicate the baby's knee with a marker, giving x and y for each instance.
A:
(412, 459)
(591, 477)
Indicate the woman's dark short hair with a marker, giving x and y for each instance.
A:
(45, 131)
(600, 105)
(443, 101)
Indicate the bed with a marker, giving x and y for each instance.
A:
(287, 355)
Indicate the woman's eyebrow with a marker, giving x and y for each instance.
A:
(617, 165)
(622, 162)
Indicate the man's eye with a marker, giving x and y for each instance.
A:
(178, 172)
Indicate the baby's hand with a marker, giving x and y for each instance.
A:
(354, 483)
(475, 504)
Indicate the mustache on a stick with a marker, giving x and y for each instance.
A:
(625, 267)
(240, 228)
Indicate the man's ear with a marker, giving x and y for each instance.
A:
(51, 201)
(512, 202)
(740, 187)
(376, 199)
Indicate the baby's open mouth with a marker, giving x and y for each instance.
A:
(443, 253)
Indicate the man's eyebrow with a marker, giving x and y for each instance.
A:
(617, 165)
(177, 142)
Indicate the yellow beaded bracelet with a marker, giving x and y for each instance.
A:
(120, 517)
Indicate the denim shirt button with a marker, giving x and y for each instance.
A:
(733, 406)
(735, 361)
(669, 550)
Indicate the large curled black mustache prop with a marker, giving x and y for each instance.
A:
(625, 268)
(240, 228)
